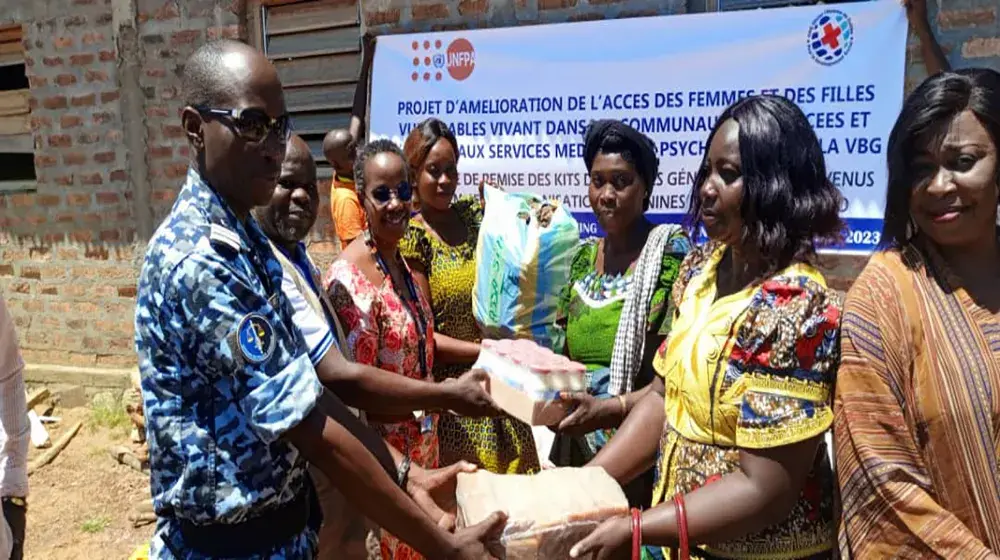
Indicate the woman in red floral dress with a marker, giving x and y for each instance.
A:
(387, 321)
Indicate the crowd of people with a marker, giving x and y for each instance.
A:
(294, 412)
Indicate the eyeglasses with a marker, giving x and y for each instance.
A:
(252, 124)
(382, 195)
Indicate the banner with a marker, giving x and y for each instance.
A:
(519, 99)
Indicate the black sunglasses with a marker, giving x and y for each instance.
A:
(252, 124)
(383, 194)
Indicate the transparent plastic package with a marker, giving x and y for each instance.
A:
(547, 513)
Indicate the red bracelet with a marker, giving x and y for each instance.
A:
(683, 546)
(636, 534)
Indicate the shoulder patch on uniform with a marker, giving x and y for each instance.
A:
(255, 337)
(220, 235)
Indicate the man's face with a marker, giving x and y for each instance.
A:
(292, 209)
(243, 155)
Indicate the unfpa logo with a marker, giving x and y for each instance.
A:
(830, 37)
(429, 63)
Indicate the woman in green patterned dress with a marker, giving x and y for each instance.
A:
(616, 301)
(440, 247)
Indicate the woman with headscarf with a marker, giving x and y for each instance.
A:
(918, 391)
(736, 416)
(440, 248)
(616, 300)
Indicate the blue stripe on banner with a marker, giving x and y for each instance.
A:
(862, 236)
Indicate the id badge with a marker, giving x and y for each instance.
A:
(426, 424)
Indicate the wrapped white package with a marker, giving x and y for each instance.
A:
(547, 513)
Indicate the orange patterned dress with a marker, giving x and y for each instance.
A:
(381, 332)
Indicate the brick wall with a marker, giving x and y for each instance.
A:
(104, 78)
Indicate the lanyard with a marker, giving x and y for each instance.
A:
(413, 307)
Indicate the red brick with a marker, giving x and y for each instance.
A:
(81, 59)
(173, 131)
(126, 291)
(118, 176)
(103, 118)
(104, 157)
(161, 152)
(20, 288)
(88, 138)
(93, 38)
(163, 195)
(83, 100)
(31, 273)
(976, 17)
(39, 122)
(6, 270)
(114, 136)
(107, 198)
(52, 60)
(104, 19)
(152, 39)
(50, 291)
(42, 160)
(106, 56)
(63, 42)
(36, 82)
(159, 72)
(981, 47)
(74, 21)
(74, 158)
(82, 236)
(184, 151)
(185, 37)
(167, 11)
(55, 102)
(63, 180)
(47, 200)
(556, 4)
(95, 76)
(109, 96)
(60, 141)
(91, 179)
(227, 32)
(386, 17)
(32, 103)
(175, 170)
(422, 12)
(70, 121)
(473, 7)
(77, 199)
(156, 111)
(110, 235)
(593, 16)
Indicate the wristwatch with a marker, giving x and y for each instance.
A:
(19, 502)
(403, 472)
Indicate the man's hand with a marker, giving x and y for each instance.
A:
(468, 397)
(609, 541)
(916, 12)
(434, 491)
(588, 413)
(473, 543)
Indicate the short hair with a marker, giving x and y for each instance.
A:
(789, 205)
(422, 139)
(202, 81)
(367, 152)
(923, 118)
(609, 136)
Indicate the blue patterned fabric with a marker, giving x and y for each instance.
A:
(224, 374)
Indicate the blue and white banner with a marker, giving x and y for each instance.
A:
(520, 98)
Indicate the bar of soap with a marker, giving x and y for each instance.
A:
(547, 513)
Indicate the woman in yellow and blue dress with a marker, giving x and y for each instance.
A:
(742, 398)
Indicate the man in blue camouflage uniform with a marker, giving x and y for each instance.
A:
(229, 390)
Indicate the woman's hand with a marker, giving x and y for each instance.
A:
(611, 540)
(482, 191)
(588, 413)
(467, 396)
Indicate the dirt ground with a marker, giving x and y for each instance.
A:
(79, 503)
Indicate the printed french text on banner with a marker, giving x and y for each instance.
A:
(519, 99)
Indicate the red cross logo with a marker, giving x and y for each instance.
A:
(831, 36)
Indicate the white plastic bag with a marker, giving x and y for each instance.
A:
(522, 266)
